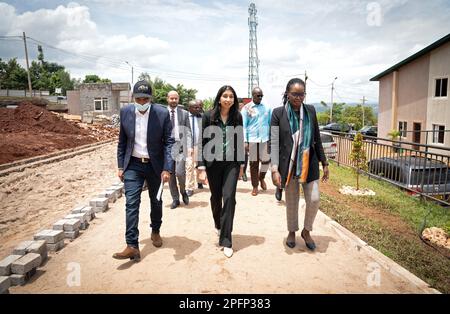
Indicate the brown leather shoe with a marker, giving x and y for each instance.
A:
(156, 239)
(255, 191)
(129, 252)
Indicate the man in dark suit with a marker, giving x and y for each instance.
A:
(143, 154)
(181, 149)
(296, 149)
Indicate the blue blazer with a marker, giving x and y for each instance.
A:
(159, 138)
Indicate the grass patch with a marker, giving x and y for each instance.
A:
(392, 199)
(404, 248)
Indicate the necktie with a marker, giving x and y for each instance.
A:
(193, 130)
(172, 118)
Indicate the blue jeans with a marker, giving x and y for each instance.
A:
(134, 177)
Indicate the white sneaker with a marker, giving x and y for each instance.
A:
(228, 251)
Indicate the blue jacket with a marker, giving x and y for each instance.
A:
(159, 138)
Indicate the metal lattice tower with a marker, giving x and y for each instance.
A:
(253, 61)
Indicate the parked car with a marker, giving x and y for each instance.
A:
(335, 128)
(368, 130)
(329, 145)
(421, 174)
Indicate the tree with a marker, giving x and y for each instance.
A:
(13, 76)
(358, 157)
(208, 103)
(161, 89)
(354, 116)
(323, 118)
(94, 78)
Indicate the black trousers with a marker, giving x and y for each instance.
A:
(222, 178)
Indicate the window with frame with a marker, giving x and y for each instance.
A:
(441, 87)
(100, 104)
(402, 127)
(438, 133)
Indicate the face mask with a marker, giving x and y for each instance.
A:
(143, 107)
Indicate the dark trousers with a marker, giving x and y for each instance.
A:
(134, 178)
(222, 178)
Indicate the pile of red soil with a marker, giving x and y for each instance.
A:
(28, 117)
(30, 130)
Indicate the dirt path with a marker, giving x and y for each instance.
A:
(189, 260)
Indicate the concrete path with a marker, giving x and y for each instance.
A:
(190, 260)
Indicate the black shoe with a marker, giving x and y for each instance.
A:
(189, 193)
(175, 204)
(278, 194)
(200, 186)
(185, 198)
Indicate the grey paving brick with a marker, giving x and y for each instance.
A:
(53, 247)
(21, 249)
(82, 217)
(5, 283)
(5, 264)
(51, 236)
(17, 280)
(39, 247)
(90, 211)
(77, 209)
(84, 225)
(99, 202)
(72, 225)
(26, 263)
(72, 234)
(59, 225)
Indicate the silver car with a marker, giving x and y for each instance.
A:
(329, 145)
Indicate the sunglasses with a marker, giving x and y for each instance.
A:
(298, 95)
(259, 96)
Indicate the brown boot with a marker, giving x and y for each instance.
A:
(156, 239)
(129, 252)
(255, 191)
(261, 180)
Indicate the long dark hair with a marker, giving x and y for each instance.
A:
(234, 110)
(288, 87)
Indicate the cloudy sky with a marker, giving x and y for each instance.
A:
(204, 44)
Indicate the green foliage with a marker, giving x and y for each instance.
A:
(323, 117)
(44, 75)
(354, 116)
(94, 78)
(12, 75)
(358, 157)
(208, 104)
(394, 134)
(161, 89)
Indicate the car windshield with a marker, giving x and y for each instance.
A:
(365, 129)
(326, 138)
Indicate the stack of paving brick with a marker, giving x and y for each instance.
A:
(111, 195)
(71, 227)
(54, 238)
(82, 217)
(22, 264)
(5, 283)
(99, 204)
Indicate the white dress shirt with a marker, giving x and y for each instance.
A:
(175, 132)
(140, 135)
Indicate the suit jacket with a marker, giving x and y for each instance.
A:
(159, 138)
(283, 139)
(185, 136)
(198, 123)
(239, 151)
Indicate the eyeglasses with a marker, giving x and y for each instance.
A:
(298, 95)
(260, 96)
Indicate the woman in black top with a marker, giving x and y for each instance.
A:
(222, 160)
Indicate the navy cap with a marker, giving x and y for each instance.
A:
(142, 89)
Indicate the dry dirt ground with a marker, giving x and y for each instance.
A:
(190, 260)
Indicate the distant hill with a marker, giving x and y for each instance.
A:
(321, 108)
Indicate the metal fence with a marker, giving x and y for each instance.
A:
(408, 165)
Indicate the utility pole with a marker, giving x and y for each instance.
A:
(28, 65)
(306, 78)
(253, 61)
(331, 109)
(363, 104)
(132, 79)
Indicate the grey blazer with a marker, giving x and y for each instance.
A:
(185, 138)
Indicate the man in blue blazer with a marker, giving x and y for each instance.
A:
(143, 154)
